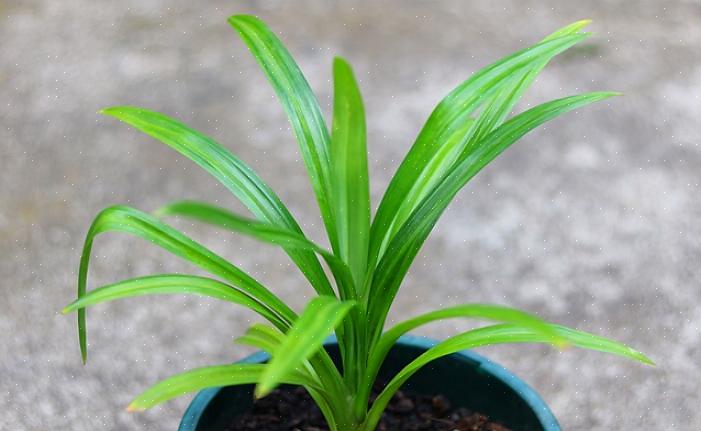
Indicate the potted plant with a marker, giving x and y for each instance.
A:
(368, 259)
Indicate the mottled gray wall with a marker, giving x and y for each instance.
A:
(592, 221)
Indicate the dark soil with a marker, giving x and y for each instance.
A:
(292, 409)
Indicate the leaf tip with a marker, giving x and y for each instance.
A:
(133, 407)
(160, 212)
(261, 391)
(643, 358)
(238, 19)
(561, 344)
(112, 111)
(339, 61)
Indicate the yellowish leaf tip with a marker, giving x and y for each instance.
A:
(561, 345)
(112, 110)
(644, 359)
(259, 392)
(160, 212)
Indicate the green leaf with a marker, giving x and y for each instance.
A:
(589, 341)
(262, 337)
(269, 339)
(498, 107)
(490, 335)
(171, 284)
(439, 163)
(568, 29)
(351, 188)
(319, 318)
(262, 231)
(234, 174)
(408, 240)
(351, 191)
(466, 130)
(448, 117)
(266, 232)
(476, 311)
(299, 103)
(132, 221)
(200, 378)
(221, 217)
(495, 313)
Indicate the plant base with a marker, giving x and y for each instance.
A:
(466, 379)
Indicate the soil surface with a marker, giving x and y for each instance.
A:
(292, 409)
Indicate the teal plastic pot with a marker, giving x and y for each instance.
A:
(465, 378)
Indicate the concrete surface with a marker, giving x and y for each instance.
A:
(592, 221)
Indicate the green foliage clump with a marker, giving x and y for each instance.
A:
(369, 257)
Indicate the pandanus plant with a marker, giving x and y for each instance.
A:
(369, 257)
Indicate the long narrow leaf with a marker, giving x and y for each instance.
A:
(475, 311)
(300, 104)
(269, 339)
(135, 222)
(450, 114)
(408, 240)
(221, 217)
(498, 107)
(262, 231)
(444, 157)
(319, 318)
(262, 337)
(490, 335)
(495, 313)
(273, 234)
(200, 378)
(351, 192)
(350, 184)
(234, 174)
(171, 284)
(503, 101)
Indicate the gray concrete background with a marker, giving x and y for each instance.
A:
(591, 221)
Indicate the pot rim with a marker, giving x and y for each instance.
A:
(545, 416)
